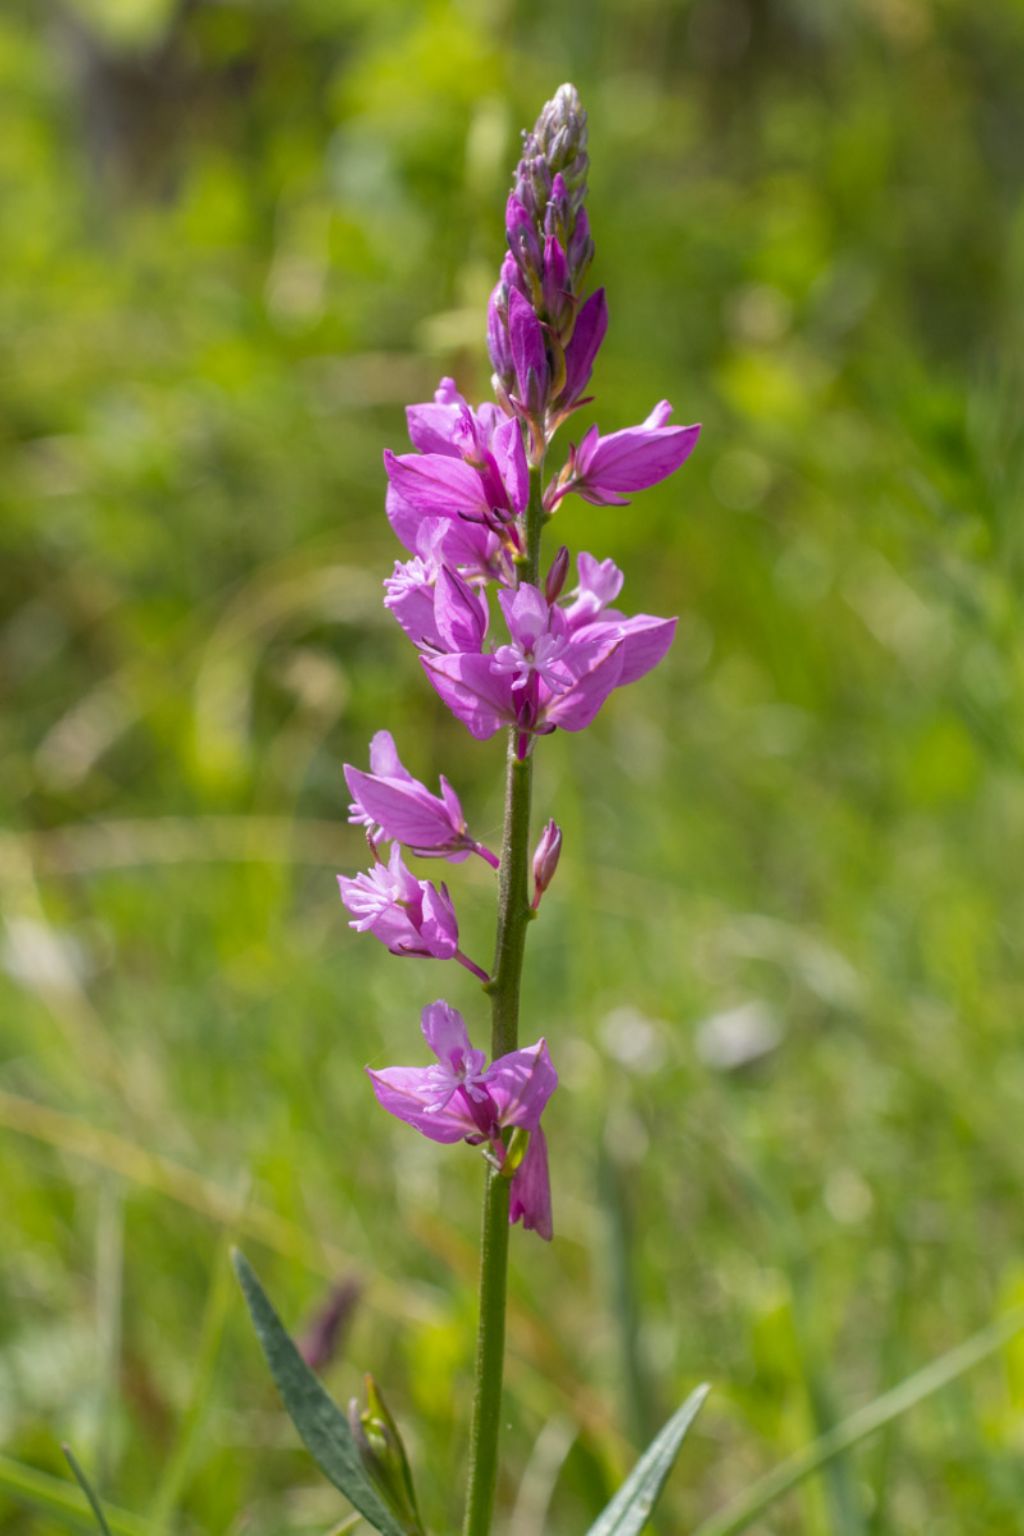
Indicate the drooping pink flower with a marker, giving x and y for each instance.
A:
(530, 1194)
(603, 469)
(461, 1098)
(409, 916)
(396, 807)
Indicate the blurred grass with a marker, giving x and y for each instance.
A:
(781, 966)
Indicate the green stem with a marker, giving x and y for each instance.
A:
(514, 915)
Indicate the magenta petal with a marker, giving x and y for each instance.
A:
(575, 710)
(580, 354)
(530, 1194)
(406, 811)
(526, 338)
(384, 758)
(600, 582)
(436, 485)
(406, 1093)
(471, 546)
(439, 931)
(527, 613)
(444, 1030)
(481, 699)
(510, 456)
(521, 1084)
(497, 335)
(636, 458)
(645, 640)
(432, 426)
(460, 613)
(405, 521)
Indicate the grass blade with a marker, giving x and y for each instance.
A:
(322, 1425)
(742, 1513)
(86, 1487)
(56, 1499)
(629, 1511)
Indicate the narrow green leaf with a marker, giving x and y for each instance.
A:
(55, 1497)
(321, 1424)
(86, 1487)
(629, 1511)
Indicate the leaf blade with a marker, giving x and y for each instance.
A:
(631, 1508)
(322, 1426)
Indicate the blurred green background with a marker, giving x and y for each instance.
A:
(781, 967)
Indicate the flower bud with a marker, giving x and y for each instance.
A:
(555, 580)
(545, 860)
(383, 1456)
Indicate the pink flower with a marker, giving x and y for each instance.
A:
(395, 807)
(550, 674)
(464, 1099)
(410, 916)
(472, 467)
(601, 469)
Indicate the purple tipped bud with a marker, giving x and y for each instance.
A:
(587, 336)
(558, 305)
(580, 249)
(547, 200)
(545, 860)
(556, 575)
(523, 240)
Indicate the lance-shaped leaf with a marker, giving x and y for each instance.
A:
(323, 1427)
(630, 1510)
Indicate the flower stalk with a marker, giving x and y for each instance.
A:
(514, 914)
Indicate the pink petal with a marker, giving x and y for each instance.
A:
(587, 336)
(521, 1084)
(481, 699)
(530, 1194)
(444, 1030)
(510, 456)
(384, 758)
(405, 1092)
(575, 710)
(406, 810)
(645, 640)
(436, 485)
